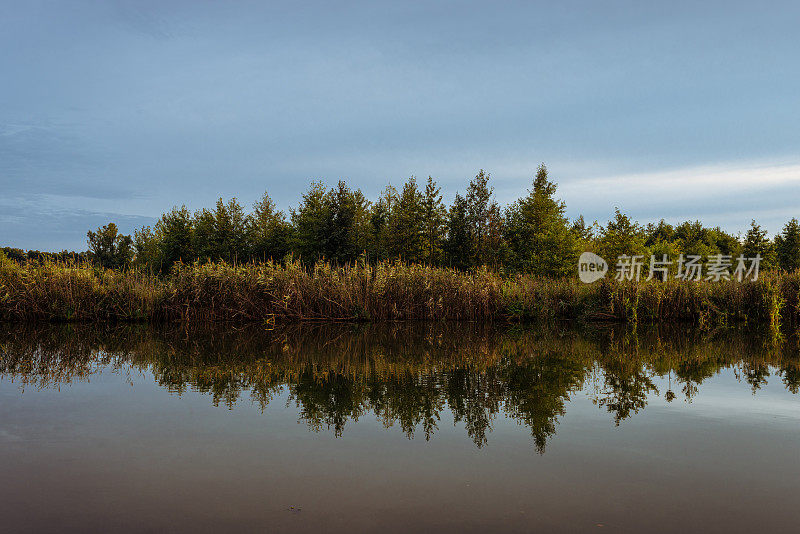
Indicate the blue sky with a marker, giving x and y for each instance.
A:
(116, 111)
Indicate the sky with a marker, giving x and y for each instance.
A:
(117, 111)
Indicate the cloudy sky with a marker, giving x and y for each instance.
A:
(116, 111)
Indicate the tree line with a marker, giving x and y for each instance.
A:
(20, 255)
(531, 235)
(341, 225)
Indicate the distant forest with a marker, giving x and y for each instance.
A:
(531, 235)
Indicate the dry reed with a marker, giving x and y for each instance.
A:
(388, 291)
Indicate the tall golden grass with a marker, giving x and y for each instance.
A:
(389, 291)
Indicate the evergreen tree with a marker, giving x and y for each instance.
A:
(693, 238)
(757, 242)
(379, 223)
(725, 243)
(659, 249)
(406, 238)
(496, 246)
(232, 230)
(532, 235)
(15, 254)
(434, 216)
(147, 247)
(480, 210)
(203, 242)
(661, 232)
(221, 234)
(109, 248)
(660, 242)
(539, 236)
(173, 234)
(583, 232)
(311, 222)
(621, 236)
(348, 226)
(268, 232)
(459, 243)
(787, 246)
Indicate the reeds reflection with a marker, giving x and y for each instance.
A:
(406, 375)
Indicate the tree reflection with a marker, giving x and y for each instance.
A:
(406, 376)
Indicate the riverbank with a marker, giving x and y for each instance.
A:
(272, 292)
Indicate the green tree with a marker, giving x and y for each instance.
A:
(481, 209)
(406, 237)
(379, 215)
(538, 233)
(757, 242)
(621, 236)
(348, 232)
(693, 238)
(661, 232)
(584, 233)
(497, 248)
(109, 248)
(787, 246)
(727, 244)
(15, 254)
(311, 222)
(434, 216)
(173, 234)
(221, 234)
(659, 249)
(146, 245)
(203, 238)
(459, 243)
(268, 231)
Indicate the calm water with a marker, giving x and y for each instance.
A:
(397, 428)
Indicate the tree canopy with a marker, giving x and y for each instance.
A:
(531, 235)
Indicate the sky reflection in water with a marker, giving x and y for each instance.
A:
(397, 427)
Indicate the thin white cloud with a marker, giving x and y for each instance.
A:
(728, 194)
(694, 180)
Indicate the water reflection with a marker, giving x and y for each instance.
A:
(406, 375)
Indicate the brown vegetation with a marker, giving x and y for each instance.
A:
(387, 291)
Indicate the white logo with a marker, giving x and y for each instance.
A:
(690, 267)
(591, 267)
